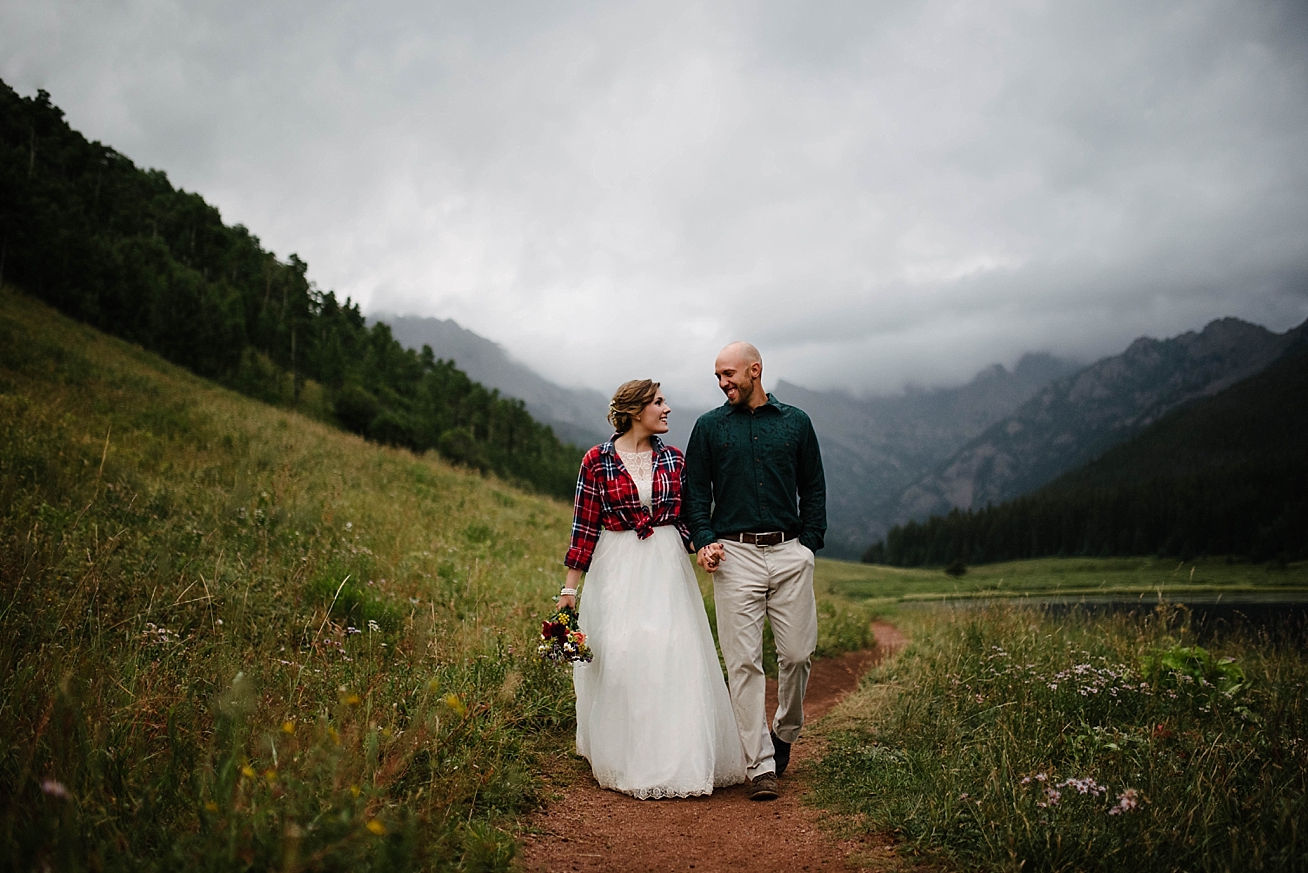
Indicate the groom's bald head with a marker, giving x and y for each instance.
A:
(742, 353)
(739, 369)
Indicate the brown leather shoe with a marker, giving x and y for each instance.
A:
(763, 787)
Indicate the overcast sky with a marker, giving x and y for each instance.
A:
(874, 193)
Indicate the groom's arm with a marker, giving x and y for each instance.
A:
(812, 487)
(697, 498)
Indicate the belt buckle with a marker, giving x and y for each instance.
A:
(772, 538)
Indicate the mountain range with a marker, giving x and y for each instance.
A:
(1225, 474)
(1075, 418)
(894, 459)
(876, 447)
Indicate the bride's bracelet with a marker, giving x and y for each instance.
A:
(568, 592)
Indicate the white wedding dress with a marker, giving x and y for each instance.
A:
(653, 715)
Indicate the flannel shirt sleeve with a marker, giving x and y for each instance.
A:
(682, 528)
(587, 506)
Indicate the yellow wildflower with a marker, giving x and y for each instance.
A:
(376, 827)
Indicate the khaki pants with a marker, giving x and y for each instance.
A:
(776, 582)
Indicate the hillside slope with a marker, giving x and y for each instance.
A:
(1078, 417)
(1226, 475)
(231, 636)
(577, 415)
(118, 247)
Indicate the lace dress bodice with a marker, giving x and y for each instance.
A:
(641, 467)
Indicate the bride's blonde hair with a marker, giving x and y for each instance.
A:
(629, 401)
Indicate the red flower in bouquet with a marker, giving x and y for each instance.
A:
(560, 639)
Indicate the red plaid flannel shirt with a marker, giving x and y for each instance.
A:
(607, 499)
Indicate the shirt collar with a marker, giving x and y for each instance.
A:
(656, 444)
(772, 401)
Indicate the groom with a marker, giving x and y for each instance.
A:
(755, 503)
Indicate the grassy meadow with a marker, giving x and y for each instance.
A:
(233, 637)
(1006, 739)
(884, 586)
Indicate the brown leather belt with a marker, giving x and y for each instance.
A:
(772, 538)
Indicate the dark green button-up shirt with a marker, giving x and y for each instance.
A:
(755, 472)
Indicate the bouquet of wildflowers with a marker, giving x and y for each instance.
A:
(561, 641)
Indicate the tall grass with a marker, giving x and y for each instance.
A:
(1003, 739)
(232, 638)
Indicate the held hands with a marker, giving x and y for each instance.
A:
(710, 557)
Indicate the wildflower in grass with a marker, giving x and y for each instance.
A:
(453, 702)
(54, 788)
(1084, 786)
(351, 631)
(159, 636)
(288, 727)
(352, 699)
(373, 627)
(1127, 801)
(355, 790)
(248, 772)
(210, 806)
(1052, 796)
(376, 827)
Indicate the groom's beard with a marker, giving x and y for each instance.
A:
(744, 391)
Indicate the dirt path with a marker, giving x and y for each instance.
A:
(589, 828)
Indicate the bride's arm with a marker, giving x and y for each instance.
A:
(572, 581)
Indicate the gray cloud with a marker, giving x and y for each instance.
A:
(875, 195)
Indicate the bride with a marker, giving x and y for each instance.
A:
(653, 715)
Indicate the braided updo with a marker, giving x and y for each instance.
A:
(629, 401)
